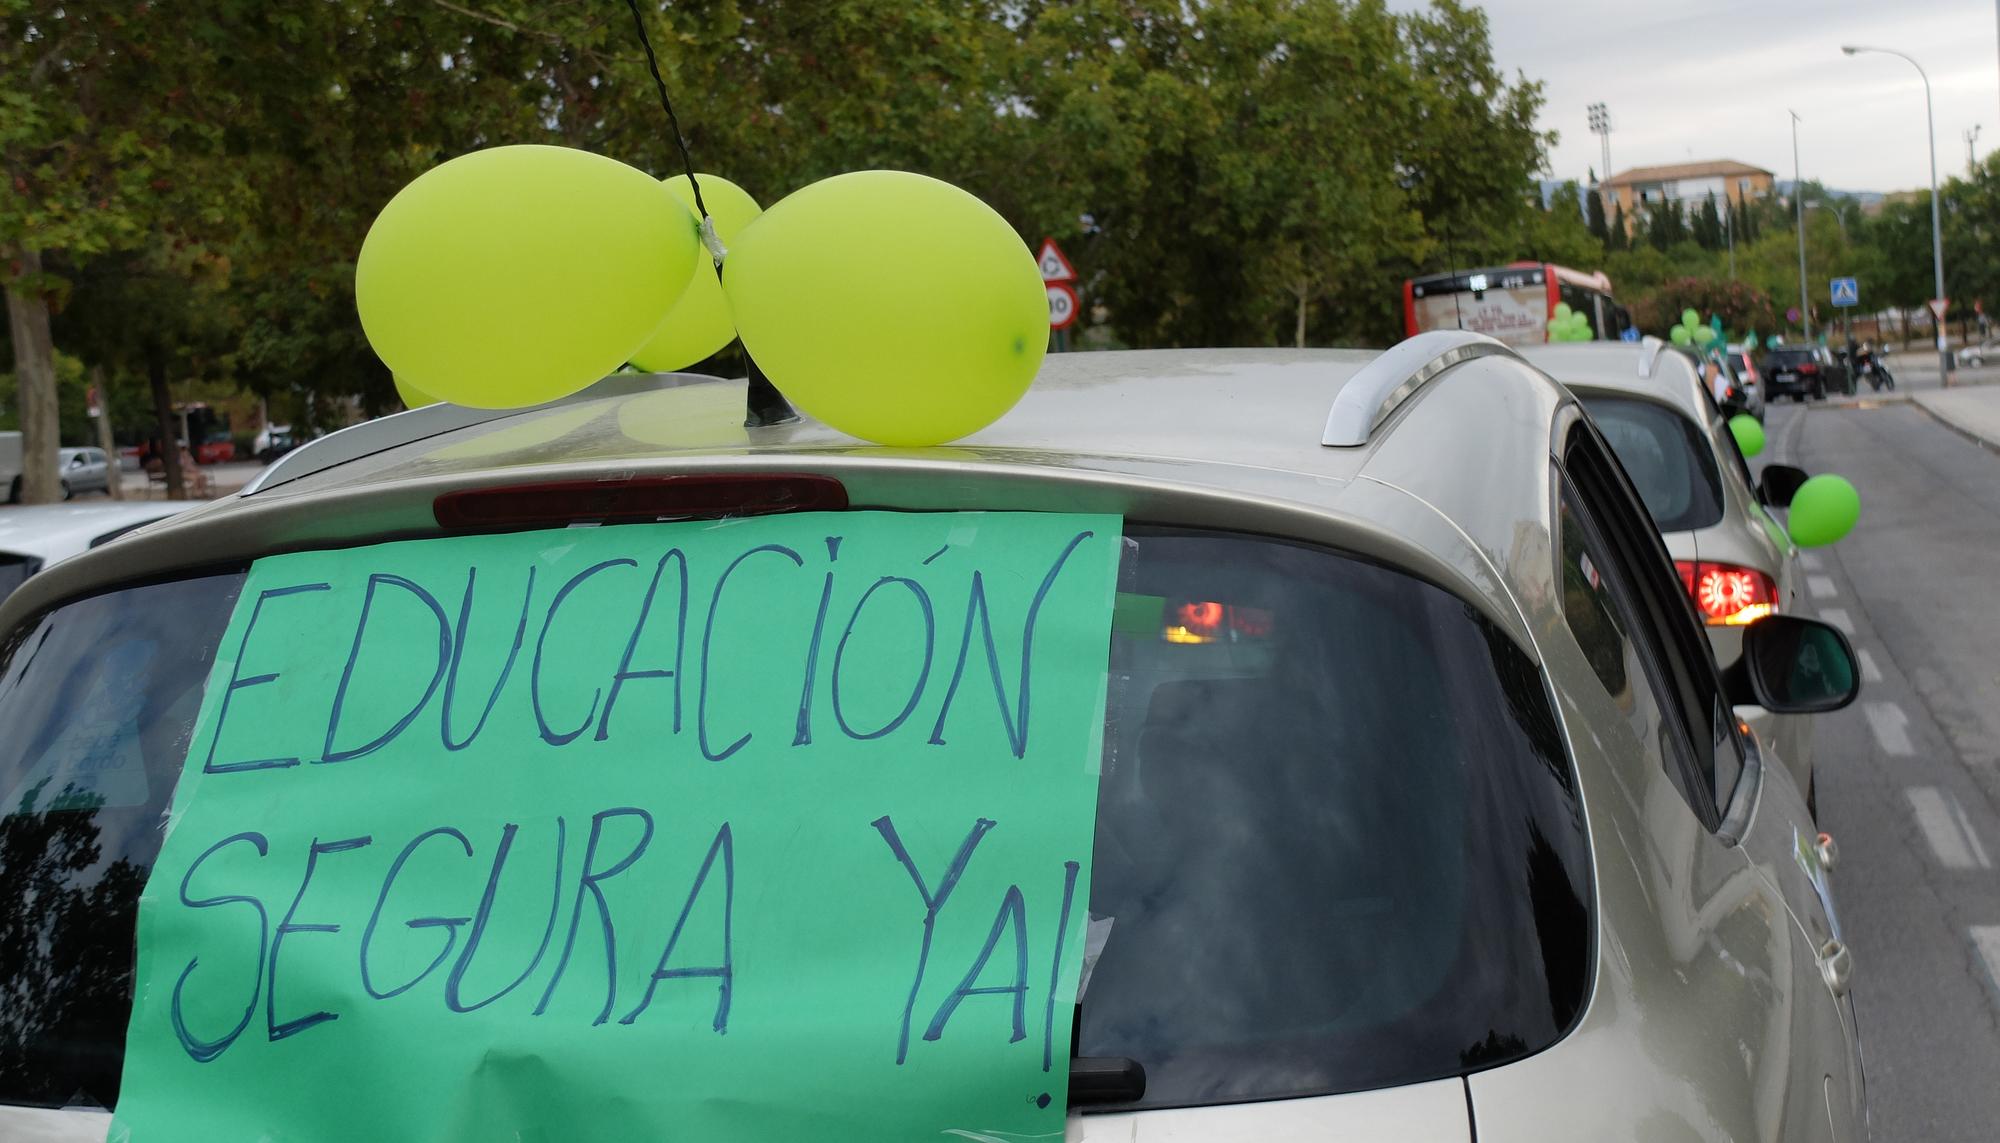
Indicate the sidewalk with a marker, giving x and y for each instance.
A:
(1974, 412)
(224, 479)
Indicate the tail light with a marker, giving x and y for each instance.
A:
(1727, 595)
(1206, 621)
(698, 496)
(1808, 367)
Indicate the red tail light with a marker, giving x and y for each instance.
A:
(700, 496)
(1808, 367)
(1208, 621)
(1727, 595)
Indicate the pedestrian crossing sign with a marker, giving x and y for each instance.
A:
(1846, 292)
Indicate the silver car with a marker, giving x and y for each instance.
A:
(1421, 812)
(1734, 557)
(82, 470)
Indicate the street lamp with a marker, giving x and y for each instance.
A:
(1799, 203)
(1600, 125)
(1937, 229)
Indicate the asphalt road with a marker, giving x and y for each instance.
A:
(1909, 777)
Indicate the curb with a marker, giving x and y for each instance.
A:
(1945, 420)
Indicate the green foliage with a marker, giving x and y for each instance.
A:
(1742, 307)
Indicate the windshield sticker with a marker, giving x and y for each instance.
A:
(771, 828)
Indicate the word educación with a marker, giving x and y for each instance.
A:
(667, 616)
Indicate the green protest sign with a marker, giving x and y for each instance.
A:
(771, 828)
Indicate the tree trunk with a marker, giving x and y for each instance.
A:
(168, 425)
(114, 477)
(35, 373)
(1299, 328)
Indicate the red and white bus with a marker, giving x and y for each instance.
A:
(1512, 303)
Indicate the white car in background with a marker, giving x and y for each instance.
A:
(1735, 559)
(33, 537)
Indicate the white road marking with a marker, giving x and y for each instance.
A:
(1821, 586)
(1889, 723)
(1838, 617)
(1986, 938)
(1946, 828)
(1869, 672)
(1810, 561)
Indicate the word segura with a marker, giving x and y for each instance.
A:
(663, 623)
(579, 942)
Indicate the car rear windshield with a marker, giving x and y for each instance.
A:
(1666, 456)
(1338, 842)
(15, 570)
(1790, 358)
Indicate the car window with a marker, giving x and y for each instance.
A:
(15, 570)
(1661, 620)
(1338, 842)
(1604, 619)
(1666, 456)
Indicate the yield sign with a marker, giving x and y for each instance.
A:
(1938, 307)
(1055, 267)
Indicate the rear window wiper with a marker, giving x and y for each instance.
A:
(1105, 1079)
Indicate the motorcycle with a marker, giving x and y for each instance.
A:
(1871, 367)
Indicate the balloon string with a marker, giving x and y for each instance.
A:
(708, 235)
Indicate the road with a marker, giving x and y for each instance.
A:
(1909, 777)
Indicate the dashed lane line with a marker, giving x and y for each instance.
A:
(1870, 673)
(1821, 586)
(1839, 618)
(1890, 726)
(1946, 828)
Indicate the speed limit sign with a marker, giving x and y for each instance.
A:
(1062, 305)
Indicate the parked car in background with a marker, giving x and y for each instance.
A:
(77, 469)
(83, 470)
(1735, 560)
(34, 537)
(1974, 356)
(216, 449)
(274, 441)
(1801, 372)
(1421, 810)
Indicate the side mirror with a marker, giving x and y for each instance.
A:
(1792, 665)
(1780, 483)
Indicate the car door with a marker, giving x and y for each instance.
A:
(1764, 824)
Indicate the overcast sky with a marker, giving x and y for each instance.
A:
(1712, 79)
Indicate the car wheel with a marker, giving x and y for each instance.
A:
(1819, 391)
(14, 492)
(65, 490)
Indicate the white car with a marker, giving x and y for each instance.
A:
(1735, 559)
(33, 537)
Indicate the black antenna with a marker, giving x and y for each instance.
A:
(763, 404)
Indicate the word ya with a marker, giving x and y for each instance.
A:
(588, 911)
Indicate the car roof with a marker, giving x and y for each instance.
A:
(1649, 369)
(54, 531)
(1222, 438)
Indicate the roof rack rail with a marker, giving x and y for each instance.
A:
(1385, 383)
(1649, 355)
(383, 433)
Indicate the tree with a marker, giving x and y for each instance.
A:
(1594, 213)
(1615, 236)
(1708, 232)
(1743, 307)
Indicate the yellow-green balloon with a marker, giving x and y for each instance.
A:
(699, 325)
(891, 306)
(1823, 510)
(413, 397)
(1680, 335)
(1690, 318)
(517, 275)
(1748, 433)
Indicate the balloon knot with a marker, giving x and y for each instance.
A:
(709, 238)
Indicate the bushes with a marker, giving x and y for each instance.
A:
(1743, 307)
